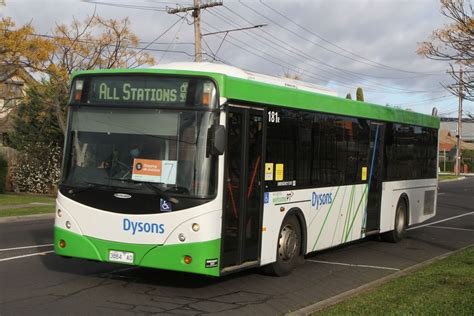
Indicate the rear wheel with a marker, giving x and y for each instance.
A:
(288, 248)
(400, 224)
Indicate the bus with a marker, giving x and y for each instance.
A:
(210, 169)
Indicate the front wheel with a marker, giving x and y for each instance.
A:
(400, 224)
(288, 248)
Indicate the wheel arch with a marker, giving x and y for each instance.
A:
(295, 211)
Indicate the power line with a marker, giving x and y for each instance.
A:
(315, 43)
(128, 46)
(424, 101)
(196, 12)
(174, 38)
(285, 65)
(383, 66)
(127, 6)
(281, 45)
(157, 38)
(353, 73)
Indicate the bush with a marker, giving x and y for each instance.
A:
(37, 168)
(3, 173)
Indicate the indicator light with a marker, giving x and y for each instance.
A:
(62, 243)
(77, 96)
(196, 227)
(188, 259)
(78, 92)
(282, 209)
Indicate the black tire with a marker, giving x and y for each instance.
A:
(400, 224)
(288, 255)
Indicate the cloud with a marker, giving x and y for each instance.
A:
(386, 32)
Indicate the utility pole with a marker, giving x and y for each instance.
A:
(458, 143)
(196, 8)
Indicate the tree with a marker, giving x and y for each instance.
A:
(360, 94)
(94, 43)
(34, 120)
(349, 96)
(454, 43)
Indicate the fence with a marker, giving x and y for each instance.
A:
(447, 164)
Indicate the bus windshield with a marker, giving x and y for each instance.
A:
(123, 147)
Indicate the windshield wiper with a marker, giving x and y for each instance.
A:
(178, 189)
(152, 187)
(90, 185)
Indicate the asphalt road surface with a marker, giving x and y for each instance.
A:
(35, 281)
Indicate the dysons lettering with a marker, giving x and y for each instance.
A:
(141, 227)
(320, 199)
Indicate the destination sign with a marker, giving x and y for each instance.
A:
(143, 90)
(138, 90)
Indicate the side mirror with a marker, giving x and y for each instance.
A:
(216, 140)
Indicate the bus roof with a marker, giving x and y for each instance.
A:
(242, 85)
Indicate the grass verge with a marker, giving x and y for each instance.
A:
(16, 199)
(443, 177)
(445, 287)
(27, 211)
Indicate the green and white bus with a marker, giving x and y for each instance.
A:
(211, 169)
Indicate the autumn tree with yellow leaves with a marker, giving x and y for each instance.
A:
(455, 43)
(40, 119)
(91, 44)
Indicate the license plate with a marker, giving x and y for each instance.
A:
(121, 256)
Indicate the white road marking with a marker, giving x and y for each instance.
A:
(27, 247)
(29, 255)
(455, 228)
(440, 221)
(354, 265)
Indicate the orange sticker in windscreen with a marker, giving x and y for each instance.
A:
(147, 167)
(159, 171)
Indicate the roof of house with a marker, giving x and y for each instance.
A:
(9, 71)
(447, 141)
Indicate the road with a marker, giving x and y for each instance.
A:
(35, 281)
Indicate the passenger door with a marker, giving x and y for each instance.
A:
(243, 192)
(377, 132)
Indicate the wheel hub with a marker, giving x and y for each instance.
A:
(288, 243)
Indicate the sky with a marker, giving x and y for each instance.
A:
(340, 44)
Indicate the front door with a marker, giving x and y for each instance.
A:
(241, 229)
(377, 132)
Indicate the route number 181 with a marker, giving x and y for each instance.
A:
(273, 117)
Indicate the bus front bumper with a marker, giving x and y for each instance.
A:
(204, 255)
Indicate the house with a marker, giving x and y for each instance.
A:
(448, 140)
(13, 84)
(467, 131)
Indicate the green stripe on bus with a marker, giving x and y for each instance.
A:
(326, 218)
(168, 257)
(338, 218)
(355, 214)
(348, 214)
